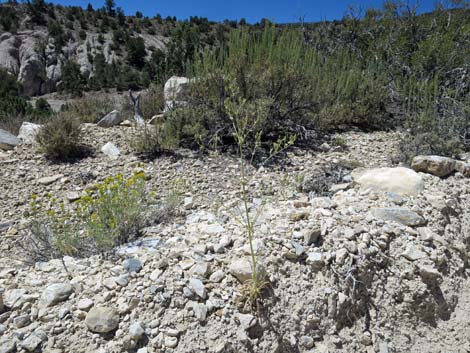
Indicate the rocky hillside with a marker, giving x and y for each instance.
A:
(36, 50)
(361, 255)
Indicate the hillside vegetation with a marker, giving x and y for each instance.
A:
(380, 69)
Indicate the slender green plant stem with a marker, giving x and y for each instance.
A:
(249, 225)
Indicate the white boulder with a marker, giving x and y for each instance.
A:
(401, 181)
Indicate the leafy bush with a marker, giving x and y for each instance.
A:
(299, 87)
(110, 214)
(60, 138)
(149, 141)
(51, 233)
(90, 108)
(72, 79)
(152, 101)
(14, 108)
(114, 211)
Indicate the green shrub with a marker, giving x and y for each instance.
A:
(90, 108)
(152, 101)
(114, 211)
(299, 86)
(110, 214)
(60, 138)
(52, 233)
(149, 141)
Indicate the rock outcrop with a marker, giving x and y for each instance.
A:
(174, 91)
(28, 132)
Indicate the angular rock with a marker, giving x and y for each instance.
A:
(102, 319)
(435, 165)
(13, 296)
(200, 311)
(50, 180)
(136, 331)
(316, 260)
(402, 181)
(412, 253)
(311, 235)
(85, 304)
(111, 119)
(28, 132)
(463, 168)
(7, 346)
(246, 321)
(55, 293)
(31, 343)
(197, 287)
(170, 342)
(242, 270)
(132, 265)
(8, 141)
(399, 215)
(111, 150)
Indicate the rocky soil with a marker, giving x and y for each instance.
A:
(370, 260)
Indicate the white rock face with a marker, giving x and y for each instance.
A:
(402, 181)
(28, 132)
(174, 88)
(8, 141)
(111, 150)
(111, 119)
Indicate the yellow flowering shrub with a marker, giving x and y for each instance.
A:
(113, 211)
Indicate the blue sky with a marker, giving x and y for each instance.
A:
(252, 10)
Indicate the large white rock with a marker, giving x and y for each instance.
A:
(111, 150)
(173, 90)
(28, 132)
(111, 119)
(8, 141)
(402, 181)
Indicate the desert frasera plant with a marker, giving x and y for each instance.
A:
(247, 119)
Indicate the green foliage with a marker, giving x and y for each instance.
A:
(43, 107)
(113, 212)
(56, 31)
(60, 138)
(136, 52)
(72, 79)
(9, 19)
(36, 10)
(149, 141)
(248, 121)
(293, 84)
(110, 214)
(89, 109)
(52, 233)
